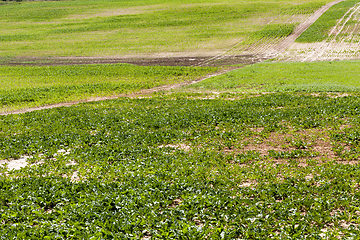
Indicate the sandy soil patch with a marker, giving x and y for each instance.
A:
(180, 146)
(16, 163)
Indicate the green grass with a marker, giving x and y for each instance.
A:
(274, 31)
(128, 28)
(135, 178)
(288, 77)
(319, 31)
(29, 86)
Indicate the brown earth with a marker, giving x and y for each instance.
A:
(160, 61)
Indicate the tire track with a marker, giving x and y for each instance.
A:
(332, 39)
(267, 49)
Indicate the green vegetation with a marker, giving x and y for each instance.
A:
(128, 28)
(291, 76)
(174, 168)
(29, 86)
(274, 31)
(320, 29)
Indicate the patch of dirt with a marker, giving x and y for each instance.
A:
(22, 162)
(248, 183)
(175, 203)
(181, 146)
(331, 94)
(315, 140)
(140, 61)
(15, 163)
(75, 177)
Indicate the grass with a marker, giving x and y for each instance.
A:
(319, 31)
(274, 31)
(29, 86)
(171, 167)
(128, 28)
(287, 77)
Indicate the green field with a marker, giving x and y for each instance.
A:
(266, 151)
(336, 76)
(141, 28)
(176, 168)
(31, 86)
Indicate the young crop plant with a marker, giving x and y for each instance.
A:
(275, 31)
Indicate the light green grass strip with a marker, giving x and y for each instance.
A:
(290, 76)
(34, 86)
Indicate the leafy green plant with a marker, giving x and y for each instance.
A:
(151, 167)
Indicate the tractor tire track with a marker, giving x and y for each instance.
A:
(332, 40)
(267, 49)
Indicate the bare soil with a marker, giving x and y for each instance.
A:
(158, 61)
(304, 25)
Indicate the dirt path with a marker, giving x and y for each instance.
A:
(332, 39)
(139, 61)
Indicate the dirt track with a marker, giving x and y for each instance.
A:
(303, 26)
(173, 61)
